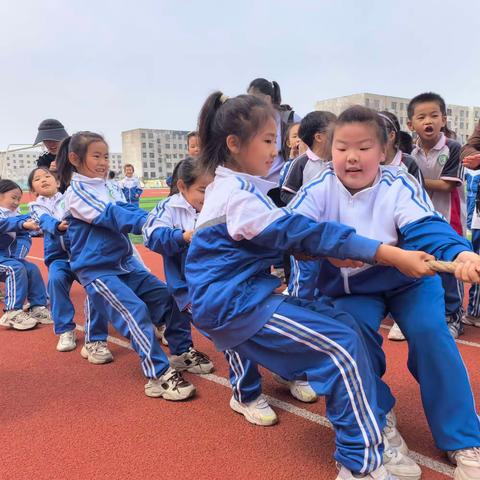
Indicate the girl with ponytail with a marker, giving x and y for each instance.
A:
(101, 257)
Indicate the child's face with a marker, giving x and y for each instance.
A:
(96, 161)
(356, 155)
(11, 199)
(51, 146)
(427, 121)
(293, 137)
(44, 183)
(193, 146)
(195, 193)
(129, 172)
(256, 156)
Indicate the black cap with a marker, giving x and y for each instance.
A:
(50, 129)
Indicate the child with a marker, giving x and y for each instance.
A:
(193, 145)
(168, 231)
(116, 283)
(22, 278)
(396, 157)
(313, 132)
(48, 210)
(239, 234)
(386, 203)
(131, 186)
(292, 150)
(438, 157)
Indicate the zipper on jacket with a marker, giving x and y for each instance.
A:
(346, 286)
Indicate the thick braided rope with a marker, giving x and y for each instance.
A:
(439, 266)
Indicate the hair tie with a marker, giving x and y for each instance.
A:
(224, 98)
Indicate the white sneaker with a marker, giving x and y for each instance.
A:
(18, 320)
(67, 341)
(471, 320)
(300, 389)
(192, 361)
(400, 465)
(96, 353)
(170, 386)
(160, 333)
(42, 315)
(467, 462)
(396, 334)
(381, 473)
(391, 433)
(257, 411)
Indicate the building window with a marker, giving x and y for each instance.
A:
(461, 113)
(169, 165)
(461, 125)
(152, 164)
(150, 145)
(449, 111)
(150, 135)
(143, 135)
(174, 155)
(174, 145)
(167, 136)
(144, 164)
(144, 155)
(394, 105)
(144, 145)
(167, 145)
(160, 169)
(168, 155)
(151, 155)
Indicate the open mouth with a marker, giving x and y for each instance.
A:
(429, 129)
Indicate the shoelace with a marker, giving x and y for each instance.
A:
(261, 402)
(98, 347)
(199, 357)
(176, 380)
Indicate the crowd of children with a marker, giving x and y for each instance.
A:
(352, 204)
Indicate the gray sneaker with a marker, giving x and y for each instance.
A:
(18, 320)
(170, 386)
(96, 353)
(41, 314)
(67, 341)
(192, 361)
(471, 320)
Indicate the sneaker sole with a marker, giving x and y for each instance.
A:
(467, 321)
(21, 327)
(417, 475)
(166, 395)
(199, 370)
(234, 405)
(67, 349)
(86, 356)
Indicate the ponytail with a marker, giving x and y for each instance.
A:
(64, 168)
(277, 96)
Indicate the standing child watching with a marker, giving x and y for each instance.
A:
(131, 185)
(396, 157)
(313, 132)
(22, 279)
(389, 205)
(292, 148)
(116, 283)
(438, 157)
(239, 234)
(193, 144)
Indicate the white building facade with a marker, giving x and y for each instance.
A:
(461, 119)
(152, 152)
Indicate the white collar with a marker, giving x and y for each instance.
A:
(77, 177)
(179, 201)
(263, 185)
(397, 159)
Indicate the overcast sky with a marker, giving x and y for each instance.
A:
(109, 66)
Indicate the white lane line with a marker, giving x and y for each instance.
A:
(423, 460)
(461, 342)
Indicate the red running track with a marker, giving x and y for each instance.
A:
(64, 418)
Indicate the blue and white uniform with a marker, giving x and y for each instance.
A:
(472, 178)
(22, 278)
(116, 283)
(240, 234)
(132, 189)
(48, 212)
(163, 233)
(397, 211)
